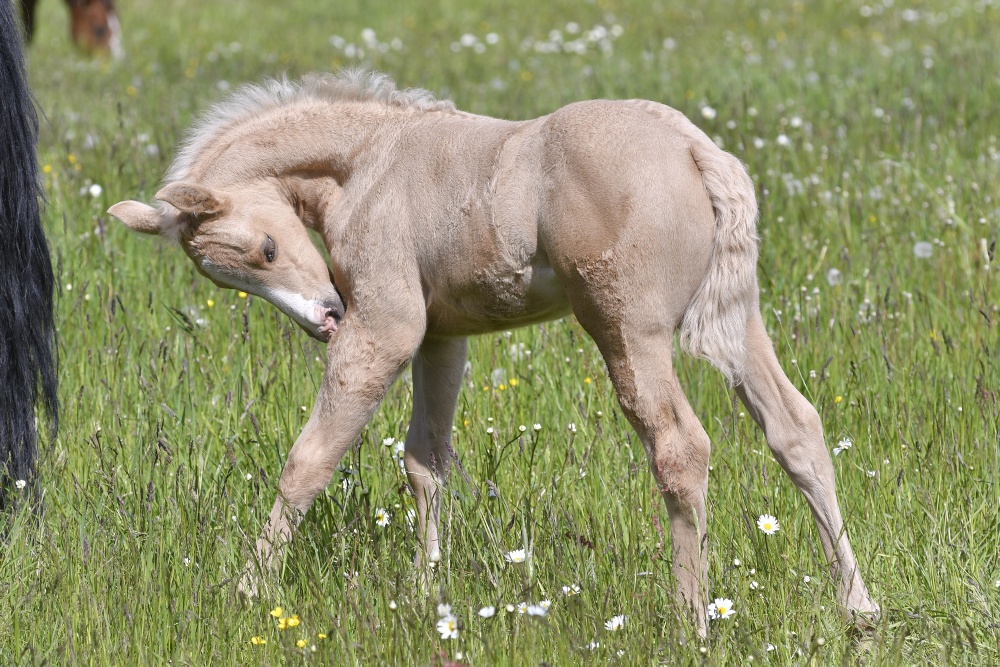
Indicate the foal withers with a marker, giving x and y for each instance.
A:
(441, 224)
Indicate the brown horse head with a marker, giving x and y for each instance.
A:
(95, 26)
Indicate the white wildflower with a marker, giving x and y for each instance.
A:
(616, 623)
(721, 608)
(515, 556)
(768, 524)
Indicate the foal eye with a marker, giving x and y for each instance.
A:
(270, 249)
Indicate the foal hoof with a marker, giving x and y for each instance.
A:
(865, 620)
(248, 586)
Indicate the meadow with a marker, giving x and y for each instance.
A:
(871, 132)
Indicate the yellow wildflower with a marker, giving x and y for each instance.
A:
(293, 621)
(587, 380)
(301, 643)
(277, 612)
(838, 399)
(47, 169)
(242, 295)
(513, 382)
(258, 640)
(71, 158)
(321, 635)
(210, 303)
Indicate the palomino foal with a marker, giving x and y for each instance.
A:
(441, 224)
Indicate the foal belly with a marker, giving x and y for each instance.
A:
(495, 298)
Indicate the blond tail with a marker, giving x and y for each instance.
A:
(714, 325)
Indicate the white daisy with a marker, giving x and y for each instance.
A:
(381, 517)
(536, 610)
(522, 607)
(448, 627)
(616, 623)
(515, 556)
(768, 524)
(20, 484)
(842, 446)
(487, 612)
(572, 589)
(721, 608)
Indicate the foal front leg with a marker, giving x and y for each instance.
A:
(360, 368)
(437, 377)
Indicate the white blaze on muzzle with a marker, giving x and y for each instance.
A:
(317, 318)
(312, 315)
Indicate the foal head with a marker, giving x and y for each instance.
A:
(247, 240)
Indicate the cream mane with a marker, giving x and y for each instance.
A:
(253, 99)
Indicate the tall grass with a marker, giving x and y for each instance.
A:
(868, 129)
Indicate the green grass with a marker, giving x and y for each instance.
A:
(170, 404)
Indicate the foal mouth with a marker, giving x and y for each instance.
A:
(332, 311)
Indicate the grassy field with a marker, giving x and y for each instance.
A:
(872, 133)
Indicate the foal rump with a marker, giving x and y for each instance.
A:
(677, 159)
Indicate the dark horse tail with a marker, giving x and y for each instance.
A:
(27, 331)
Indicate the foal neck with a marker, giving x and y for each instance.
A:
(310, 138)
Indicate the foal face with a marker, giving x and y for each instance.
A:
(258, 246)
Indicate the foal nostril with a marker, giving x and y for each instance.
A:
(335, 307)
(335, 311)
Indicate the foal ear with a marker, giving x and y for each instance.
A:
(139, 217)
(194, 199)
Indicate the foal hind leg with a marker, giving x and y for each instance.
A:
(437, 377)
(637, 351)
(795, 435)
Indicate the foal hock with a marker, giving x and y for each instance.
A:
(441, 224)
